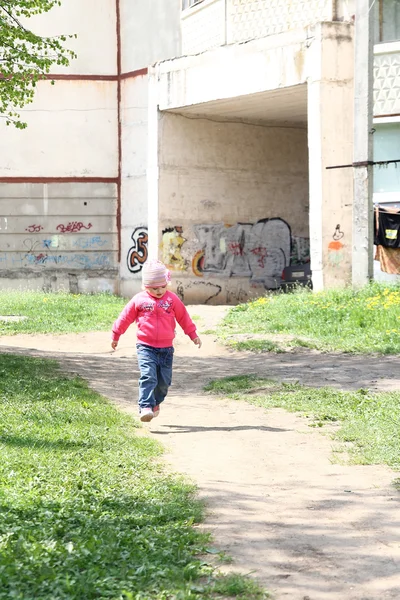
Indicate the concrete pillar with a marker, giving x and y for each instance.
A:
(330, 141)
(363, 145)
(152, 164)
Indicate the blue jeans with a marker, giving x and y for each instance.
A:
(155, 365)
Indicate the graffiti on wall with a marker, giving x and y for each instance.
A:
(61, 245)
(335, 248)
(300, 250)
(172, 242)
(34, 228)
(79, 261)
(45, 253)
(73, 227)
(259, 251)
(90, 242)
(205, 291)
(137, 254)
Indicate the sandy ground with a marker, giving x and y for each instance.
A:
(307, 528)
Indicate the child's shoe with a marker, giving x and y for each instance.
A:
(146, 414)
(156, 411)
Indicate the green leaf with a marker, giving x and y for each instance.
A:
(25, 57)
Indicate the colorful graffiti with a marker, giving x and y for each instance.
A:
(172, 242)
(335, 248)
(66, 247)
(73, 227)
(137, 254)
(198, 263)
(259, 251)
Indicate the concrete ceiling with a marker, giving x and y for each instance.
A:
(283, 107)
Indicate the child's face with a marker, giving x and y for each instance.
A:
(157, 292)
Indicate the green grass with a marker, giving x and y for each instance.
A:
(58, 312)
(257, 346)
(86, 509)
(363, 321)
(368, 422)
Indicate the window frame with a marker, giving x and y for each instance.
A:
(188, 4)
(392, 196)
(380, 9)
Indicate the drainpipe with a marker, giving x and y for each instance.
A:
(362, 260)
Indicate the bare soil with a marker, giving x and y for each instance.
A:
(307, 528)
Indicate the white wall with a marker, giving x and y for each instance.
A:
(330, 139)
(266, 64)
(72, 131)
(248, 19)
(134, 217)
(150, 31)
(217, 22)
(387, 79)
(94, 23)
(58, 230)
(58, 235)
(213, 178)
(203, 26)
(346, 9)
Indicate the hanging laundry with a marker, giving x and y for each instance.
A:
(389, 259)
(387, 227)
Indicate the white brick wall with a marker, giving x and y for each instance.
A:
(206, 25)
(387, 84)
(203, 27)
(248, 19)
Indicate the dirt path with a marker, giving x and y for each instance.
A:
(309, 529)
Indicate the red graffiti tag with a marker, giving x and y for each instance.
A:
(236, 248)
(34, 228)
(41, 258)
(262, 255)
(73, 227)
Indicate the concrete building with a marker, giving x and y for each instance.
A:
(199, 132)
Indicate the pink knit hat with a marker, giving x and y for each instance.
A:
(155, 274)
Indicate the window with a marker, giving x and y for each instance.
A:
(387, 20)
(189, 3)
(387, 147)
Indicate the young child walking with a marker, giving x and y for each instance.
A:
(155, 310)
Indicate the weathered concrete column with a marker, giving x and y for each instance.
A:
(363, 145)
(330, 142)
(152, 164)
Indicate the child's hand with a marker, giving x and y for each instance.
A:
(114, 345)
(197, 341)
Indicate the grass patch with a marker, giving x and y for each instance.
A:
(258, 346)
(369, 421)
(86, 510)
(58, 312)
(360, 321)
(239, 586)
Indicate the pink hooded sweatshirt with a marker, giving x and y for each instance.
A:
(155, 318)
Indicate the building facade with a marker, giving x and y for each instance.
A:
(198, 132)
